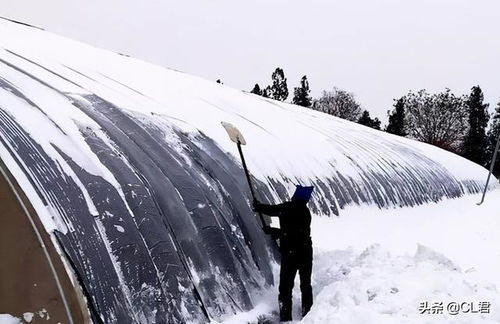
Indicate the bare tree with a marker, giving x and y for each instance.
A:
(438, 119)
(338, 103)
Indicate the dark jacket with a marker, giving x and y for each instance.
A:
(295, 219)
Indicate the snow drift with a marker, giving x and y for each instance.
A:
(127, 165)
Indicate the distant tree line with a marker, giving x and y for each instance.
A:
(455, 123)
(336, 102)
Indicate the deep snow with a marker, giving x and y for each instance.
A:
(377, 266)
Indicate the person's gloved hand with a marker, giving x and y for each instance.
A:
(274, 232)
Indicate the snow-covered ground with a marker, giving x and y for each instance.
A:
(378, 266)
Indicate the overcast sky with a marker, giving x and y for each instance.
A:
(376, 49)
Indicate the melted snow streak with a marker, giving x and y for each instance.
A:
(148, 200)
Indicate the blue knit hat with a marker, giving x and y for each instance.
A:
(302, 193)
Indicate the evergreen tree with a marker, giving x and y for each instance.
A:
(492, 138)
(279, 88)
(301, 94)
(397, 125)
(256, 90)
(475, 142)
(366, 120)
(267, 92)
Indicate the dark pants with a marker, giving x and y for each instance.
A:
(295, 256)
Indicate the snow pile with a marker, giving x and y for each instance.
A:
(378, 287)
(377, 266)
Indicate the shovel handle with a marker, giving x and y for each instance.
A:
(247, 174)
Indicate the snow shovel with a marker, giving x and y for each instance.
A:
(237, 137)
(491, 170)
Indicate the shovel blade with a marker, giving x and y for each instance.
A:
(234, 133)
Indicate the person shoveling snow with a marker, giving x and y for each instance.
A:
(294, 235)
(295, 248)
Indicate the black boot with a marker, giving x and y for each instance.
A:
(285, 310)
(306, 305)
